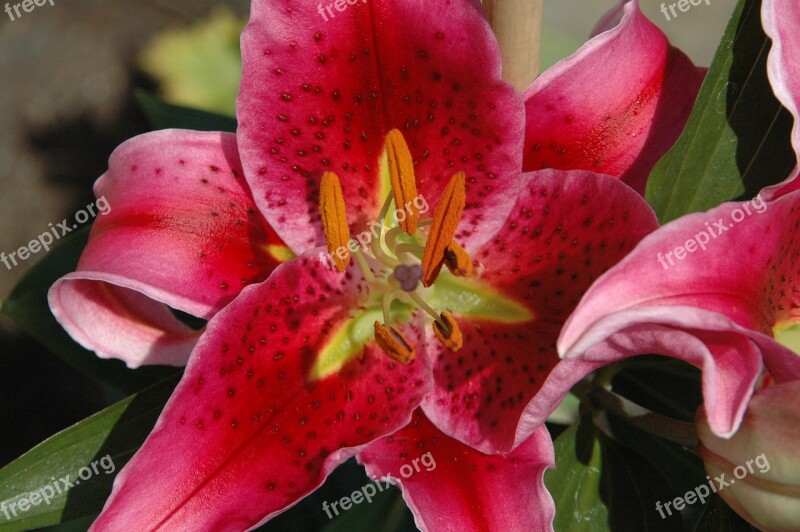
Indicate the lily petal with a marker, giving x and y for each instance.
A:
(450, 486)
(181, 230)
(727, 295)
(116, 322)
(247, 434)
(321, 95)
(641, 93)
(566, 229)
(781, 19)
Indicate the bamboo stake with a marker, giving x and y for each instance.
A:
(517, 25)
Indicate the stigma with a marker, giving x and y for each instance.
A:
(407, 255)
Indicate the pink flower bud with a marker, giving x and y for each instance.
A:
(757, 470)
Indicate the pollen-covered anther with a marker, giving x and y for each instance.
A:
(393, 343)
(334, 219)
(449, 333)
(458, 261)
(404, 184)
(443, 227)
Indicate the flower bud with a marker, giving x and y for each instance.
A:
(760, 463)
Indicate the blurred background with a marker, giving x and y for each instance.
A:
(69, 75)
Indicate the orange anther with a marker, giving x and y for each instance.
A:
(393, 343)
(334, 219)
(457, 260)
(404, 184)
(443, 228)
(449, 334)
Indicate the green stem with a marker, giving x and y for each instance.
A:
(680, 432)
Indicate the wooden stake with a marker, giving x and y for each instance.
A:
(517, 25)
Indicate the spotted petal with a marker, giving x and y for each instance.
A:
(565, 230)
(707, 288)
(450, 486)
(781, 18)
(615, 106)
(181, 230)
(321, 95)
(248, 433)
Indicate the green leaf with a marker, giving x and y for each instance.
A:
(163, 115)
(600, 485)
(199, 66)
(387, 513)
(27, 306)
(632, 487)
(737, 138)
(575, 483)
(107, 439)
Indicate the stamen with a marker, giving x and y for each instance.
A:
(457, 260)
(378, 245)
(394, 344)
(388, 297)
(394, 232)
(334, 219)
(404, 184)
(421, 303)
(443, 229)
(362, 263)
(413, 249)
(449, 333)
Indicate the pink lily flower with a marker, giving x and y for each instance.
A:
(714, 289)
(377, 352)
(780, 19)
(767, 495)
(621, 133)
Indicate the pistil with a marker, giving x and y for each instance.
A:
(400, 266)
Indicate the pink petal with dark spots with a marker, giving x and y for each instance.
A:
(182, 231)
(781, 18)
(714, 306)
(566, 229)
(615, 106)
(319, 96)
(247, 434)
(450, 486)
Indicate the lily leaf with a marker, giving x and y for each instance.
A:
(85, 456)
(27, 306)
(575, 483)
(737, 138)
(199, 66)
(600, 485)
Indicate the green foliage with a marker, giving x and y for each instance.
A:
(27, 306)
(737, 138)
